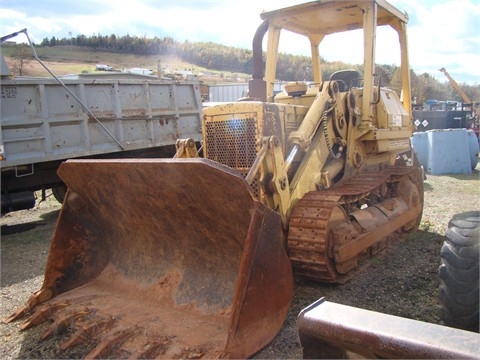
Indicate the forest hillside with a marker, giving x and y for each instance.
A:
(213, 63)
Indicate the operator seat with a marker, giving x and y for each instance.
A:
(345, 78)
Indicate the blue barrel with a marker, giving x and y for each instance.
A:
(420, 147)
(473, 147)
(449, 152)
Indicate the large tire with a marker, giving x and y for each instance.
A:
(459, 272)
(59, 193)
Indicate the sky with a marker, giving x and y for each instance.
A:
(441, 33)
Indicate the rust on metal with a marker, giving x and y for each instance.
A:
(328, 330)
(169, 257)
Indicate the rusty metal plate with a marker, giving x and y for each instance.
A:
(170, 258)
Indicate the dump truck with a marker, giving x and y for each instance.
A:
(47, 120)
(195, 256)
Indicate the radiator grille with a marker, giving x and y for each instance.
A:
(232, 142)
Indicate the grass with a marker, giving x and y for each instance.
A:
(63, 60)
(446, 195)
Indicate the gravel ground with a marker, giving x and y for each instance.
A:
(402, 281)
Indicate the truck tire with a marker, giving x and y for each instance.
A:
(59, 193)
(459, 272)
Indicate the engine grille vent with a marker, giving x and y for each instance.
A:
(232, 142)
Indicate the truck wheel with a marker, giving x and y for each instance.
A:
(59, 193)
(459, 272)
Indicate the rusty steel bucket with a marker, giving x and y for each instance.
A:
(167, 258)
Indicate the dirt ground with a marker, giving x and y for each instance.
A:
(402, 281)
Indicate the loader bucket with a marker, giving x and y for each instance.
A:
(170, 258)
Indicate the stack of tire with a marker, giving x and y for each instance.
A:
(459, 272)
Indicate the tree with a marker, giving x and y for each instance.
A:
(289, 67)
(22, 57)
(45, 42)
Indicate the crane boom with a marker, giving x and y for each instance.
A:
(457, 88)
(475, 106)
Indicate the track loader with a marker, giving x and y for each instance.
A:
(192, 256)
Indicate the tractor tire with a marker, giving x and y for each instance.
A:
(459, 272)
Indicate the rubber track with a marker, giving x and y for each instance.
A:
(307, 236)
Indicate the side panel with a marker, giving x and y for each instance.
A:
(41, 121)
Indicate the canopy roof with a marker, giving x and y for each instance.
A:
(325, 17)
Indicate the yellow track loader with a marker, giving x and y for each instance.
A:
(192, 256)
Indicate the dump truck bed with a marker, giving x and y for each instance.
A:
(41, 121)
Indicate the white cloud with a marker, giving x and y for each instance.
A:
(444, 34)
